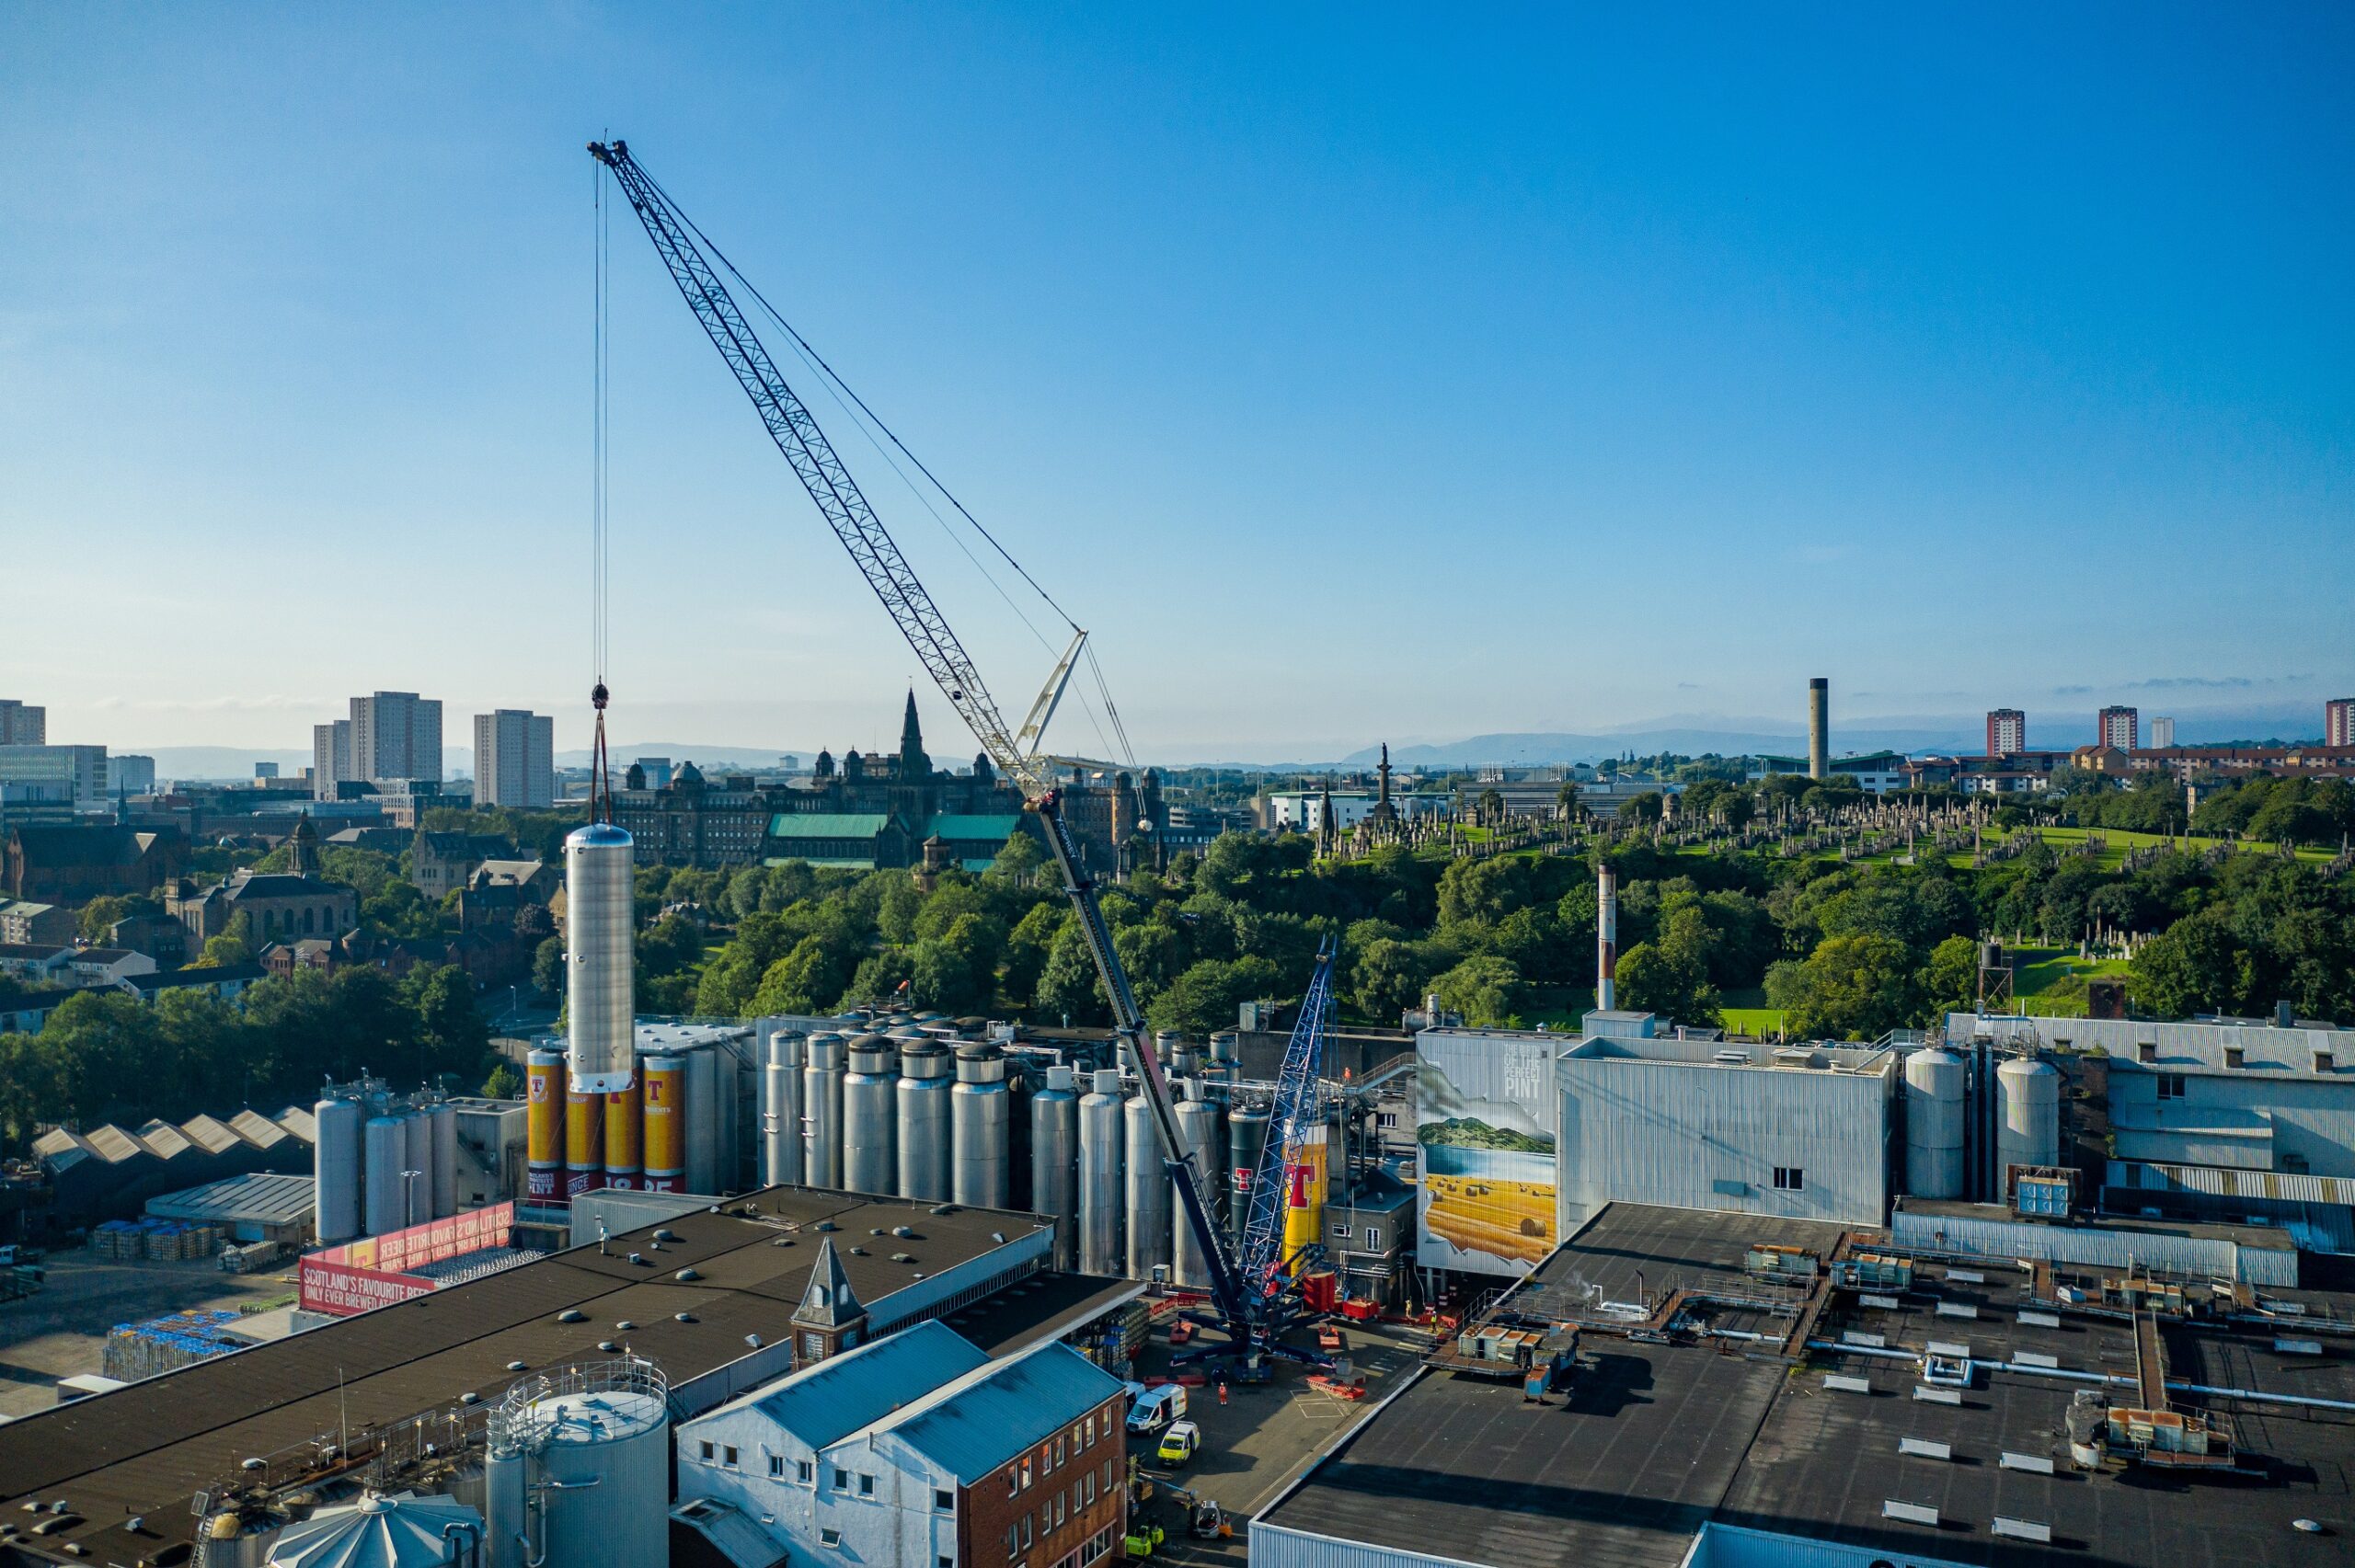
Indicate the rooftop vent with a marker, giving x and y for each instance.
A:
(571, 1315)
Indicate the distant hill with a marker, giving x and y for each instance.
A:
(1471, 1132)
(707, 755)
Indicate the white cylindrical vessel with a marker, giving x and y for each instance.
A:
(979, 1115)
(1197, 1124)
(821, 1112)
(338, 1165)
(2028, 1127)
(387, 1141)
(870, 1115)
(1099, 1196)
(416, 1191)
(925, 1139)
(600, 924)
(1055, 1159)
(594, 1442)
(443, 1119)
(780, 1110)
(1934, 1082)
(704, 1110)
(1148, 1192)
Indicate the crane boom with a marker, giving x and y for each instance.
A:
(871, 547)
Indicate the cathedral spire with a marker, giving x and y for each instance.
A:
(914, 764)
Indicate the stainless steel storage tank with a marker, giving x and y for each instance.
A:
(1148, 1188)
(1100, 1196)
(703, 1112)
(924, 1136)
(1935, 1080)
(1246, 1137)
(1054, 1155)
(578, 1468)
(980, 1113)
(416, 1192)
(2028, 1125)
(870, 1114)
(338, 1166)
(781, 1109)
(1197, 1124)
(821, 1112)
(442, 1117)
(600, 927)
(386, 1142)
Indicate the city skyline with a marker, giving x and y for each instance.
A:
(1330, 371)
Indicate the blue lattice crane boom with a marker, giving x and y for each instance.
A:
(1300, 1101)
(690, 260)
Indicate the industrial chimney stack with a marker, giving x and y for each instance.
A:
(1607, 938)
(1819, 728)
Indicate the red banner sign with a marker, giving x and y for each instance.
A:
(369, 1272)
(343, 1289)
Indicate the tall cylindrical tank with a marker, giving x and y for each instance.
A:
(979, 1115)
(700, 1118)
(593, 1443)
(925, 1139)
(626, 1139)
(663, 1136)
(386, 1142)
(1148, 1192)
(1054, 1155)
(1246, 1137)
(821, 1112)
(1100, 1197)
(870, 1114)
(1304, 1181)
(781, 1110)
(1933, 1123)
(337, 1168)
(599, 939)
(585, 1139)
(544, 1080)
(2028, 1125)
(416, 1191)
(1197, 1124)
(1165, 1045)
(442, 1117)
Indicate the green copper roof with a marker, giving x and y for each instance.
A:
(827, 824)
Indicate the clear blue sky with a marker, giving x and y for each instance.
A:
(1354, 372)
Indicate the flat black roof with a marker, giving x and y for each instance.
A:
(148, 1449)
(1657, 1440)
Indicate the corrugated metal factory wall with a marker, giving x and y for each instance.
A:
(2101, 1248)
(1701, 1137)
(1273, 1546)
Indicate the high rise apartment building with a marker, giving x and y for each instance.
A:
(2338, 722)
(515, 760)
(396, 735)
(2118, 727)
(2006, 732)
(330, 757)
(2163, 733)
(23, 724)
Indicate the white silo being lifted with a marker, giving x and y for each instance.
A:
(1935, 1118)
(381, 1530)
(598, 937)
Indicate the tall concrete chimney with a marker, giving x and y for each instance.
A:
(1819, 728)
(1607, 938)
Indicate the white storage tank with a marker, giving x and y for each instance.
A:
(980, 1114)
(416, 1191)
(441, 1118)
(387, 1141)
(924, 1091)
(1935, 1080)
(2028, 1122)
(1099, 1196)
(337, 1168)
(1197, 1124)
(870, 1114)
(578, 1468)
(1149, 1193)
(401, 1531)
(704, 1108)
(600, 936)
(781, 1110)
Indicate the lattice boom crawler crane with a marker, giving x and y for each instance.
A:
(1252, 1306)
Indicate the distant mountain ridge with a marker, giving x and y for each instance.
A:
(1471, 1132)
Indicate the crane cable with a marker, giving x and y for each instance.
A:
(601, 785)
(839, 389)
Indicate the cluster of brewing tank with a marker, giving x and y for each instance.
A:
(385, 1160)
(2020, 1120)
(667, 1130)
(921, 1112)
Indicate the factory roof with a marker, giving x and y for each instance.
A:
(146, 1449)
(253, 1200)
(1656, 1442)
(826, 1403)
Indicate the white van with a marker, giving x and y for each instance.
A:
(1157, 1408)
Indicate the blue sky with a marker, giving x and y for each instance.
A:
(1353, 372)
